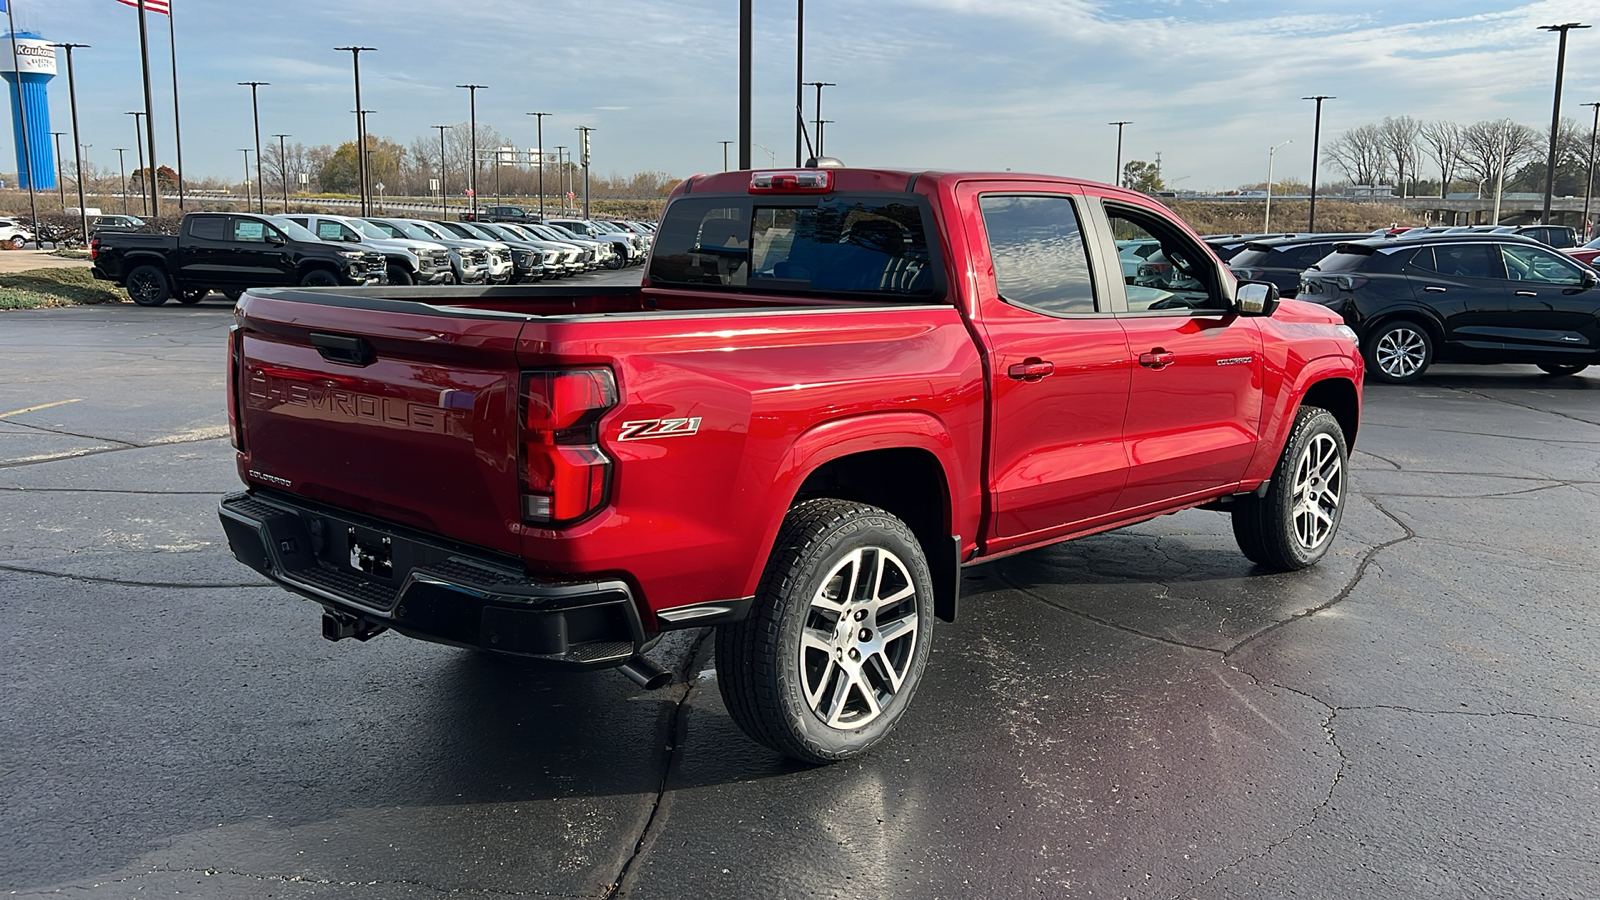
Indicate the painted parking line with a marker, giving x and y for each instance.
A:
(18, 412)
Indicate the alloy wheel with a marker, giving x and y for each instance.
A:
(1401, 352)
(859, 638)
(1318, 490)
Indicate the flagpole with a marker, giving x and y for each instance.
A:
(27, 151)
(177, 129)
(149, 116)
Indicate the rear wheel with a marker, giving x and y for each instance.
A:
(233, 294)
(836, 643)
(399, 275)
(18, 242)
(191, 296)
(1292, 526)
(319, 278)
(1399, 352)
(1562, 368)
(148, 286)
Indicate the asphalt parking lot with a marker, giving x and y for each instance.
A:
(1139, 714)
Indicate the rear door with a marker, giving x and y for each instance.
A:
(1465, 284)
(1195, 392)
(205, 255)
(1554, 311)
(1058, 359)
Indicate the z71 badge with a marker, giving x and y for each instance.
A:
(658, 428)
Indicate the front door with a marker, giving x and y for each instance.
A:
(1194, 401)
(1058, 362)
(1554, 314)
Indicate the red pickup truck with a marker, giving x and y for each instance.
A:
(835, 389)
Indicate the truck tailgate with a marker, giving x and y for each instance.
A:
(408, 416)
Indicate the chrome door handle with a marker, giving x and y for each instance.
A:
(1434, 289)
(1157, 358)
(1527, 293)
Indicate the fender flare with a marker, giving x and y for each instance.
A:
(1315, 371)
(834, 439)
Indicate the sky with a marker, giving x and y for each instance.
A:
(1026, 85)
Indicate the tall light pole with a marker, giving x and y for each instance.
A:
(799, 80)
(1119, 124)
(583, 151)
(77, 148)
(1555, 115)
(255, 112)
(361, 125)
(149, 114)
(820, 124)
(1505, 158)
(746, 54)
(539, 118)
(724, 154)
(1266, 224)
(61, 186)
(283, 169)
(1316, 150)
(246, 152)
(561, 176)
(122, 167)
(138, 142)
(365, 169)
(444, 198)
(819, 85)
(472, 125)
(1588, 190)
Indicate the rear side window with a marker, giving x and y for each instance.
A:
(210, 228)
(1345, 259)
(838, 243)
(1251, 256)
(1456, 260)
(1310, 255)
(1040, 260)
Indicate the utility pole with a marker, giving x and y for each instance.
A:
(1119, 124)
(724, 154)
(539, 119)
(561, 176)
(1588, 191)
(1555, 115)
(583, 132)
(799, 79)
(283, 169)
(444, 198)
(472, 124)
(138, 142)
(361, 125)
(1266, 223)
(61, 187)
(1316, 150)
(77, 148)
(122, 167)
(819, 85)
(149, 116)
(255, 112)
(745, 79)
(246, 152)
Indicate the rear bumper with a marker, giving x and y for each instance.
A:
(369, 575)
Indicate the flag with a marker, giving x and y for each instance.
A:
(163, 7)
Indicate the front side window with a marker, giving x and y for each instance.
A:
(1176, 277)
(1534, 264)
(1040, 259)
(249, 230)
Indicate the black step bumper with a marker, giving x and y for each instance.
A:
(371, 575)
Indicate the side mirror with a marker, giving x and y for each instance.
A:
(352, 238)
(1255, 298)
(1590, 279)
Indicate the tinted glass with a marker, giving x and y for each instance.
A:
(1252, 256)
(210, 228)
(1180, 276)
(1457, 260)
(1310, 255)
(1040, 260)
(1534, 264)
(1348, 259)
(294, 230)
(249, 230)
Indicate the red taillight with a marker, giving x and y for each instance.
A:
(565, 474)
(94, 249)
(792, 181)
(235, 369)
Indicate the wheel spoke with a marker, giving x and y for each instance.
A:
(841, 693)
(897, 628)
(880, 662)
(816, 639)
(815, 696)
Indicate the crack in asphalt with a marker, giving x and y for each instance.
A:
(289, 879)
(94, 579)
(1471, 713)
(1472, 393)
(678, 730)
(65, 433)
(97, 452)
(1397, 466)
(1490, 434)
(57, 490)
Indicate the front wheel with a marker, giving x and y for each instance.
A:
(836, 643)
(1399, 352)
(398, 275)
(191, 296)
(18, 242)
(319, 278)
(1562, 368)
(147, 286)
(1292, 526)
(616, 261)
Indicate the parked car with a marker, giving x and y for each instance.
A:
(1586, 254)
(799, 433)
(469, 260)
(1227, 246)
(570, 258)
(627, 247)
(229, 252)
(543, 255)
(410, 261)
(1560, 237)
(501, 214)
(115, 223)
(1281, 260)
(15, 235)
(1487, 298)
(508, 264)
(595, 253)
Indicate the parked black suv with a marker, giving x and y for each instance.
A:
(1467, 298)
(1281, 260)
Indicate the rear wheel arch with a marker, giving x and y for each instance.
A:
(1429, 323)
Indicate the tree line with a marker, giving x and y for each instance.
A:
(1438, 157)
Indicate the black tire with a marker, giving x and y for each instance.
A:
(399, 275)
(18, 242)
(191, 296)
(1562, 368)
(449, 278)
(773, 684)
(617, 260)
(233, 294)
(319, 278)
(1292, 526)
(1398, 352)
(148, 286)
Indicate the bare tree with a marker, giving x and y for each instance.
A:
(1361, 153)
(1443, 140)
(1399, 138)
(1489, 148)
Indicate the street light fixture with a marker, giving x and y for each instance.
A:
(583, 157)
(472, 124)
(1119, 124)
(283, 169)
(246, 152)
(1555, 115)
(61, 187)
(77, 148)
(122, 168)
(539, 119)
(1266, 223)
(1316, 150)
(819, 85)
(361, 125)
(724, 154)
(255, 112)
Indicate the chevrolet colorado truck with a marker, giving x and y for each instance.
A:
(834, 390)
(229, 252)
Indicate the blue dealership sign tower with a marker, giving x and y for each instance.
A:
(36, 60)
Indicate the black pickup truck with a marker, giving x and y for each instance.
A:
(513, 214)
(228, 252)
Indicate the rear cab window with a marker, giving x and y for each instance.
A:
(209, 228)
(843, 243)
